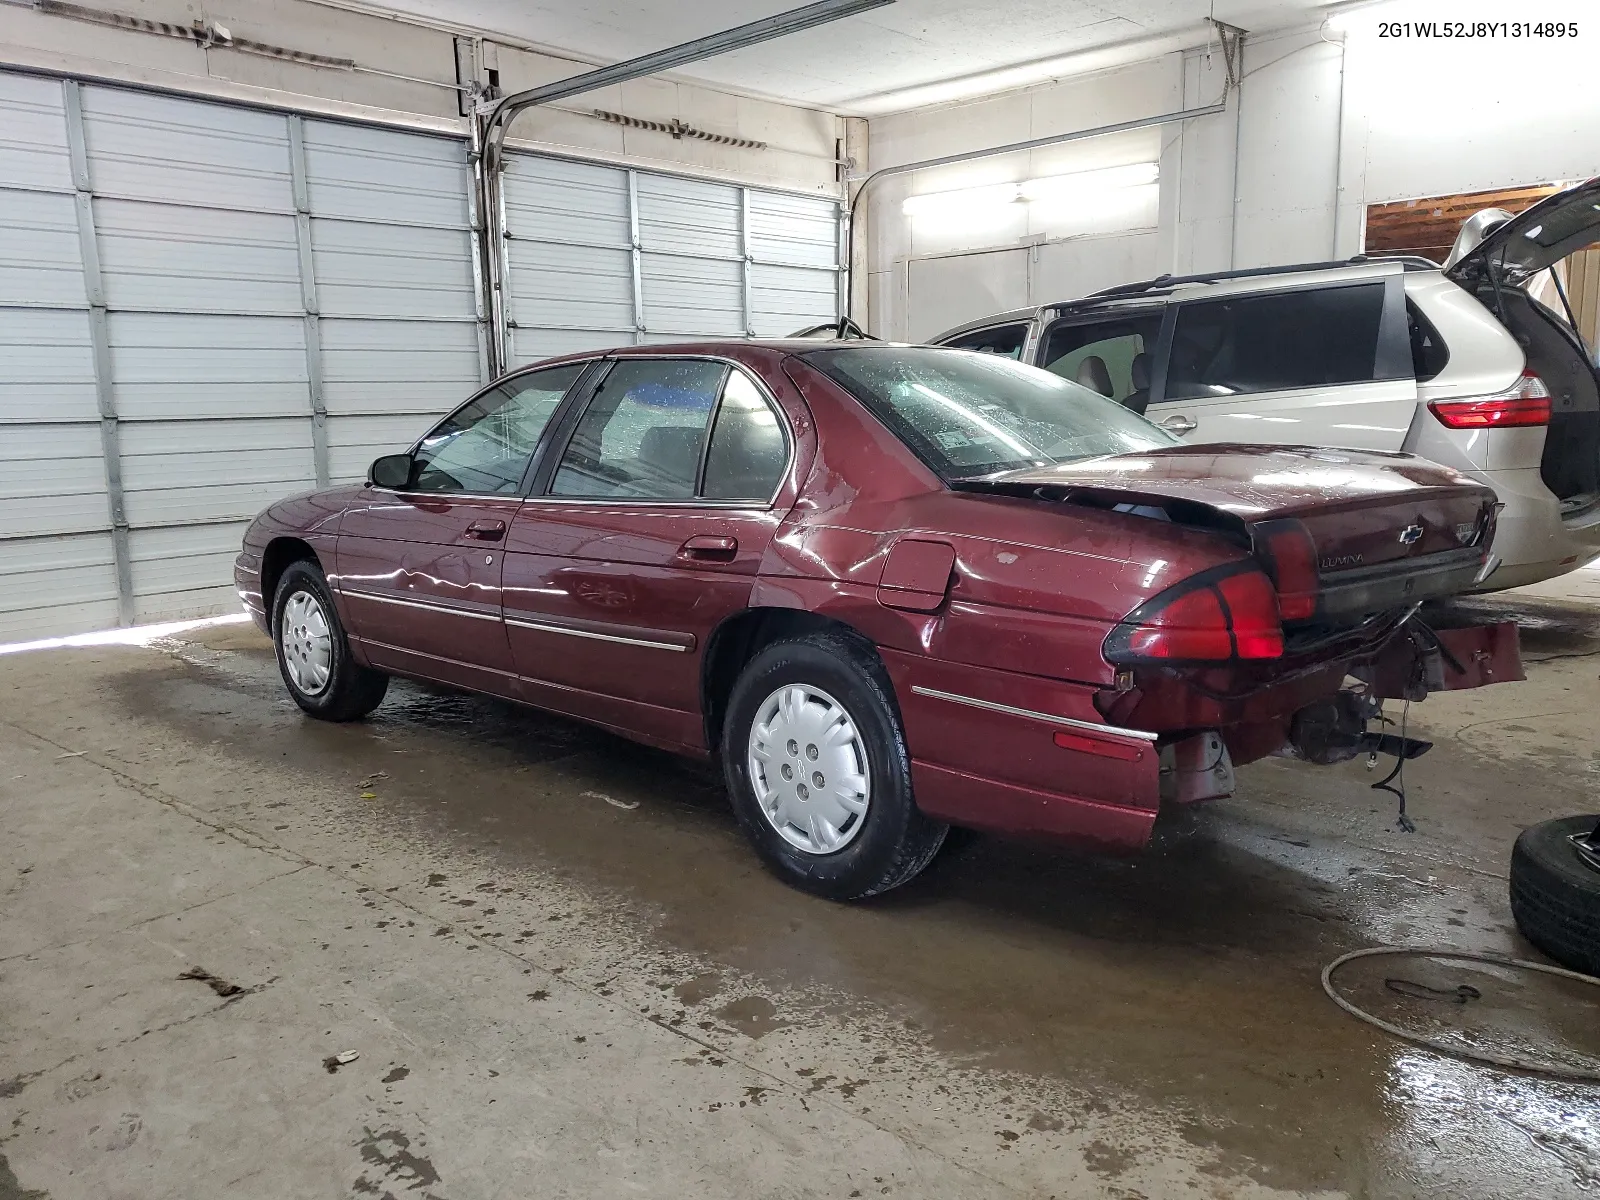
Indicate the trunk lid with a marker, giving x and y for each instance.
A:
(1519, 248)
(1384, 529)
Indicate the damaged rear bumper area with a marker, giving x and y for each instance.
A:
(1324, 709)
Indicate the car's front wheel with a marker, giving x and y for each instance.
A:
(818, 770)
(313, 655)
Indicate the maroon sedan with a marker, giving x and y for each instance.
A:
(892, 588)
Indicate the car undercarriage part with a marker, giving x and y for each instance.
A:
(1455, 1049)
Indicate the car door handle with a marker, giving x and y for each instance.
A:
(487, 531)
(1178, 423)
(704, 547)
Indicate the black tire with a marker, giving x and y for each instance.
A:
(1555, 895)
(894, 841)
(351, 690)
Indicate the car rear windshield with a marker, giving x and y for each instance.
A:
(968, 414)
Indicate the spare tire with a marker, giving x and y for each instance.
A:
(1555, 893)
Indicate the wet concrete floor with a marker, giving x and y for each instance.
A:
(565, 974)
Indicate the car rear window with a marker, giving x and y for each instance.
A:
(1275, 341)
(968, 414)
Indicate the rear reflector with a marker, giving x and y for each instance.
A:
(1120, 751)
(1225, 613)
(1525, 403)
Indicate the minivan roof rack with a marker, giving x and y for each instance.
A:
(1162, 282)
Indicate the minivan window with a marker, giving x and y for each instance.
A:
(967, 414)
(1268, 342)
(1112, 357)
(1006, 341)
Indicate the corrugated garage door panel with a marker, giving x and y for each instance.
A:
(57, 571)
(33, 135)
(569, 257)
(55, 585)
(400, 327)
(182, 366)
(353, 442)
(40, 265)
(52, 480)
(187, 568)
(377, 367)
(794, 282)
(194, 218)
(712, 259)
(182, 472)
(166, 150)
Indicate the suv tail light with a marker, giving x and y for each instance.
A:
(1524, 403)
(1224, 613)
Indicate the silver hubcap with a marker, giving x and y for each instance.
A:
(307, 643)
(808, 765)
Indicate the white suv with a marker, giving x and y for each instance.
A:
(1458, 364)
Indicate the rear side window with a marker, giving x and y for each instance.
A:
(1275, 341)
(1429, 354)
(1006, 341)
(1110, 357)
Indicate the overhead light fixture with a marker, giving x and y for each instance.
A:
(1082, 187)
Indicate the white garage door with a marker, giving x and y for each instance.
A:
(205, 308)
(597, 256)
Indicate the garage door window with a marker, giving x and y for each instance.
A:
(483, 449)
(1275, 342)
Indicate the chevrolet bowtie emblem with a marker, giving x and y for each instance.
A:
(1410, 534)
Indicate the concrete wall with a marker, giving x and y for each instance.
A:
(1326, 122)
(802, 142)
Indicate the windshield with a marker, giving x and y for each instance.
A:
(969, 414)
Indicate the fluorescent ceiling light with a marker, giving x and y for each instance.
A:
(1080, 186)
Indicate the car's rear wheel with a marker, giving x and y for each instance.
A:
(1555, 890)
(313, 654)
(818, 770)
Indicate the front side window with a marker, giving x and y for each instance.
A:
(483, 449)
(1111, 357)
(974, 414)
(1006, 341)
(1275, 341)
(642, 434)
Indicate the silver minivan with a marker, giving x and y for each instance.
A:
(1456, 363)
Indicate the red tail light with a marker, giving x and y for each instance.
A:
(1291, 559)
(1225, 613)
(1525, 403)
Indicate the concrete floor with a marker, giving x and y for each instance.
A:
(565, 975)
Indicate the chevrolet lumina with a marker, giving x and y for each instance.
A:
(890, 588)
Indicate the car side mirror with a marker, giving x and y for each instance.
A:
(391, 471)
